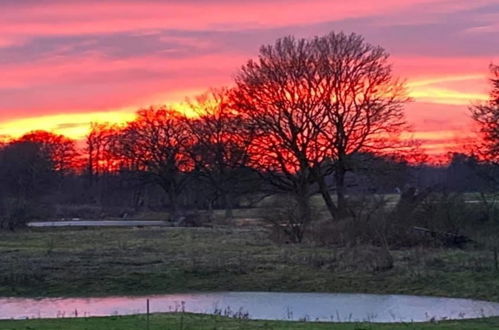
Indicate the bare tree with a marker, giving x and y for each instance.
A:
(315, 103)
(487, 117)
(61, 150)
(99, 158)
(155, 145)
(101, 163)
(220, 146)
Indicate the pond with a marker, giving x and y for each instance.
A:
(260, 305)
(97, 223)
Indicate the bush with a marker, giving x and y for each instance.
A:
(16, 214)
(287, 224)
(370, 221)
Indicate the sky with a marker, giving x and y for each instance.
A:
(64, 64)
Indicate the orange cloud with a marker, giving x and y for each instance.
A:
(445, 96)
(77, 125)
(74, 126)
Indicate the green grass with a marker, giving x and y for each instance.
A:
(203, 322)
(99, 262)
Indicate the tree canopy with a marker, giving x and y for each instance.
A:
(314, 102)
(487, 117)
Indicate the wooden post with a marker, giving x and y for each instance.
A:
(147, 316)
(496, 266)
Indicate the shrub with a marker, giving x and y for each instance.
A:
(287, 224)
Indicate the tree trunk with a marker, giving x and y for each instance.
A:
(169, 187)
(339, 176)
(137, 199)
(100, 193)
(173, 200)
(228, 206)
(321, 181)
(496, 265)
(304, 213)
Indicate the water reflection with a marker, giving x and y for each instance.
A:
(260, 305)
(98, 223)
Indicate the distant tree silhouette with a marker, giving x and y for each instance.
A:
(61, 150)
(487, 117)
(26, 175)
(220, 147)
(316, 102)
(98, 150)
(155, 145)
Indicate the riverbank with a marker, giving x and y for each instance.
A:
(204, 322)
(138, 261)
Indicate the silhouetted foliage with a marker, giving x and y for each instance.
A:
(316, 102)
(487, 117)
(27, 174)
(220, 149)
(61, 150)
(98, 150)
(307, 116)
(155, 145)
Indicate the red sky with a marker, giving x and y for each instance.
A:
(64, 64)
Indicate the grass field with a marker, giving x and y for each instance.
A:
(118, 261)
(69, 262)
(202, 322)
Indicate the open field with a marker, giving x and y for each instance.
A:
(260, 209)
(154, 260)
(114, 261)
(202, 322)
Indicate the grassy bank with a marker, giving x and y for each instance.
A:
(93, 262)
(201, 322)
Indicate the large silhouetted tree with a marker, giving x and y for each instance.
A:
(487, 117)
(314, 103)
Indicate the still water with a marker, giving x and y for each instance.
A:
(97, 223)
(260, 305)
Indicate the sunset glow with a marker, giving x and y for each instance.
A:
(67, 64)
(74, 126)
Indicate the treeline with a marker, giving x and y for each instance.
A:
(320, 116)
(44, 175)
